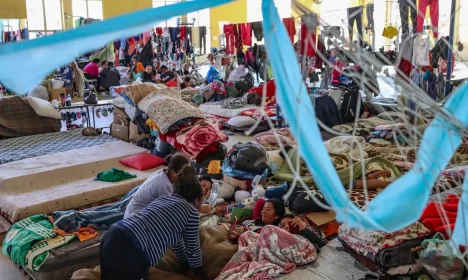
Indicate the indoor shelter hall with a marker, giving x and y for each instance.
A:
(233, 139)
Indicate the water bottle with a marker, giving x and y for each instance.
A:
(255, 187)
(214, 194)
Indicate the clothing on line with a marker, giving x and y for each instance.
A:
(257, 28)
(309, 25)
(407, 11)
(290, 25)
(203, 34)
(230, 39)
(421, 52)
(355, 15)
(238, 37)
(434, 12)
(370, 15)
(196, 37)
(246, 29)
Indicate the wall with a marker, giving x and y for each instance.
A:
(235, 12)
(15, 9)
(112, 8)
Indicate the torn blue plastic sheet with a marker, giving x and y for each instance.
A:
(26, 63)
(403, 201)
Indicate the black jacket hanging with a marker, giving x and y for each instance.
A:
(146, 55)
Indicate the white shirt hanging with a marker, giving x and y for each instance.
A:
(406, 49)
(166, 32)
(421, 52)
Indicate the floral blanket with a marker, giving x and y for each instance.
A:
(268, 254)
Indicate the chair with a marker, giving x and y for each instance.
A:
(81, 80)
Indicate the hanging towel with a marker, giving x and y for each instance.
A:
(238, 37)
(196, 37)
(114, 175)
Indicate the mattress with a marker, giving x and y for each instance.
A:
(65, 180)
(14, 149)
(216, 110)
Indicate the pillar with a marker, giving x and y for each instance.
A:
(67, 22)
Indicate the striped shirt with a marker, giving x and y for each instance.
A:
(168, 222)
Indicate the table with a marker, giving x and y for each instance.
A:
(88, 107)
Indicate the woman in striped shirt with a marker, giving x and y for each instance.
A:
(135, 244)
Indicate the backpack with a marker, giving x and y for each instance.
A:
(245, 84)
(348, 106)
(300, 202)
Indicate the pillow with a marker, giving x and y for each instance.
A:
(241, 121)
(143, 161)
(257, 211)
(43, 108)
(226, 191)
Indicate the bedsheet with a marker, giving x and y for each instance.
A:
(15, 149)
(64, 181)
(216, 110)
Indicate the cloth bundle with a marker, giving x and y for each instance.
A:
(269, 141)
(364, 126)
(270, 111)
(166, 111)
(385, 249)
(138, 92)
(350, 145)
(268, 254)
(441, 217)
(246, 160)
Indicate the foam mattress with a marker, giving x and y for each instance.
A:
(65, 180)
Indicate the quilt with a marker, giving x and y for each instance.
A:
(268, 254)
(15, 149)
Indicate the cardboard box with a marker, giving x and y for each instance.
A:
(54, 94)
(134, 136)
(120, 117)
(120, 132)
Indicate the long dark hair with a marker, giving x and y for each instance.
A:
(187, 185)
(280, 211)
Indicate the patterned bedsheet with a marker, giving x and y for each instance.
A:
(15, 149)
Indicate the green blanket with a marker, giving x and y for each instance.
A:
(114, 175)
(375, 163)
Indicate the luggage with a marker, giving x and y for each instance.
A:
(300, 202)
(349, 107)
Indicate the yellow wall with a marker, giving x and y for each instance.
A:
(67, 9)
(13, 9)
(235, 12)
(112, 8)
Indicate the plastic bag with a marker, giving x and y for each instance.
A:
(212, 75)
(437, 246)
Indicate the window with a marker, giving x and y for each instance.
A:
(87, 9)
(44, 17)
(170, 22)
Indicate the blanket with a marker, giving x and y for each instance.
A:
(370, 164)
(135, 93)
(351, 145)
(269, 141)
(166, 111)
(17, 118)
(101, 217)
(268, 254)
(363, 127)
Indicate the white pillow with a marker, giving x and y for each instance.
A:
(226, 191)
(43, 108)
(241, 121)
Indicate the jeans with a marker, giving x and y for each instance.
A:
(406, 5)
(355, 15)
(203, 39)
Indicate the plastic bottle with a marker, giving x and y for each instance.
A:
(214, 194)
(257, 190)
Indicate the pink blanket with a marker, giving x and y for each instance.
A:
(268, 254)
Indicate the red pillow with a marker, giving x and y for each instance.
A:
(257, 211)
(143, 161)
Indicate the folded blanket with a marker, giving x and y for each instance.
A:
(363, 126)
(269, 141)
(268, 254)
(370, 164)
(396, 126)
(137, 92)
(351, 145)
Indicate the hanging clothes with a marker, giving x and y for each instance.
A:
(238, 37)
(196, 37)
(370, 15)
(406, 49)
(147, 54)
(434, 12)
(309, 25)
(146, 37)
(421, 52)
(355, 15)
(203, 35)
(230, 41)
(246, 29)
(290, 25)
(440, 50)
(257, 28)
(407, 11)
(320, 50)
(390, 32)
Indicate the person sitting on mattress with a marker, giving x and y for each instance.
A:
(158, 184)
(135, 244)
(296, 225)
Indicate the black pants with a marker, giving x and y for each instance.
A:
(120, 259)
(203, 39)
(408, 10)
(355, 15)
(91, 77)
(370, 15)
